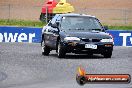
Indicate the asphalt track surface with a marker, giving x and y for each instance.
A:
(23, 66)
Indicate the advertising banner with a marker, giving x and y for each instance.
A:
(20, 34)
(33, 35)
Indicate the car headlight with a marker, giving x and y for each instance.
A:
(71, 39)
(107, 40)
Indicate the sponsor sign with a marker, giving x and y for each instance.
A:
(20, 34)
(33, 35)
(121, 38)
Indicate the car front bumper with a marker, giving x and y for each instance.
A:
(79, 48)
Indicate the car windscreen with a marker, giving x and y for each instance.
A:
(80, 24)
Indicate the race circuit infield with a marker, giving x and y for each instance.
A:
(23, 66)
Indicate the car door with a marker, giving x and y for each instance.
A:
(53, 35)
(47, 35)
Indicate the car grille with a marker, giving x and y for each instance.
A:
(91, 40)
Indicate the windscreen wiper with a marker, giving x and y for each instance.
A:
(77, 29)
(96, 29)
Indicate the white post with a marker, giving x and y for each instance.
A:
(46, 14)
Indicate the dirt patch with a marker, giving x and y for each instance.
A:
(107, 4)
(109, 11)
(103, 4)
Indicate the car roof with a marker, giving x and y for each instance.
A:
(75, 14)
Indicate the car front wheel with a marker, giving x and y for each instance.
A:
(107, 54)
(61, 51)
(45, 49)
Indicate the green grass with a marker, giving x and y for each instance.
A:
(25, 23)
(121, 27)
(21, 23)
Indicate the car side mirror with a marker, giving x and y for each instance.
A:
(106, 28)
(55, 25)
(56, 31)
(49, 24)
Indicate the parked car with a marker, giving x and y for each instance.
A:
(76, 33)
